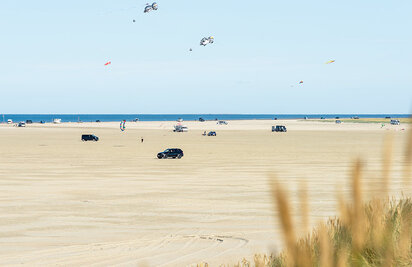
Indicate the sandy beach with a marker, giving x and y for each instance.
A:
(112, 202)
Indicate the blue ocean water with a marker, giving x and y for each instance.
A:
(173, 117)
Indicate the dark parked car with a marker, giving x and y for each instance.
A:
(97, 120)
(201, 119)
(211, 134)
(29, 121)
(89, 137)
(279, 128)
(170, 153)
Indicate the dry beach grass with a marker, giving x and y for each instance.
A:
(376, 233)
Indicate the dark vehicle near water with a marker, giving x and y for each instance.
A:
(201, 119)
(170, 153)
(89, 137)
(29, 121)
(211, 134)
(279, 128)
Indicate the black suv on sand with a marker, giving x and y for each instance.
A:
(170, 153)
(89, 137)
(279, 128)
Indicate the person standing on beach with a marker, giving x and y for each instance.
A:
(142, 139)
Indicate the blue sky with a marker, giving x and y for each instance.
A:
(53, 55)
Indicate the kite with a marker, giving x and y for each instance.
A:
(123, 125)
(190, 49)
(151, 7)
(207, 40)
(330, 62)
(300, 82)
(108, 63)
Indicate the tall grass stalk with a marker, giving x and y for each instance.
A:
(377, 233)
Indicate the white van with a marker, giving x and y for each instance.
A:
(180, 128)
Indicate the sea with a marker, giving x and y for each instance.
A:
(186, 117)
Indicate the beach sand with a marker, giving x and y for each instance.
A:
(72, 203)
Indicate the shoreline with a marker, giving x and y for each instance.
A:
(364, 120)
(72, 118)
(232, 125)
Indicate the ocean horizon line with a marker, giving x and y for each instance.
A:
(269, 114)
(187, 117)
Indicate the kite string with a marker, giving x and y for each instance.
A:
(109, 12)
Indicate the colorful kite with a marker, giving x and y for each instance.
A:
(207, 40)
(300, 82)
(123, 125)
(150, 7)
(108, 63)
(330, 62)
